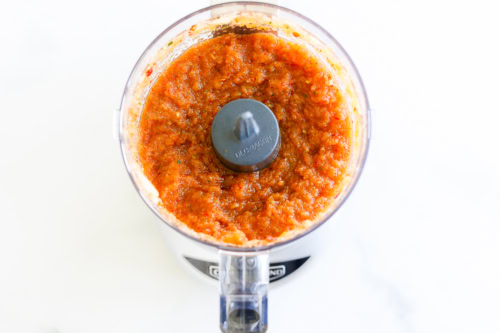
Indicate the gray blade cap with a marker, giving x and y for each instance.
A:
(246, 135)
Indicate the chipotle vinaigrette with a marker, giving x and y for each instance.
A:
(175, 143)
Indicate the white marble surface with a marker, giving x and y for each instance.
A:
(415, 249)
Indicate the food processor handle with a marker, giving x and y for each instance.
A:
(244, 280)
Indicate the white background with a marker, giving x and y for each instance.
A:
(415, 249)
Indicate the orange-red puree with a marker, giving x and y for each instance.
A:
(176, 149)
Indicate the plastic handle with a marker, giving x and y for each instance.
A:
(244, 280)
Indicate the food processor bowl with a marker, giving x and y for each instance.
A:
(243, 270)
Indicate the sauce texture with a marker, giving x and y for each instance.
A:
(175, 143)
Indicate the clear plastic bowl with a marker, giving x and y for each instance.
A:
(243, 269)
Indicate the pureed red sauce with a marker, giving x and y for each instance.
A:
(175, 143)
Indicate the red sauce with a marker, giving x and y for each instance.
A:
(176, 149)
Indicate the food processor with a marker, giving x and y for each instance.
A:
(243, 272)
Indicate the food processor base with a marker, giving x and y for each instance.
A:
(202, 260)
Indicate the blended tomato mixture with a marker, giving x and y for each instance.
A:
(175, 140)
